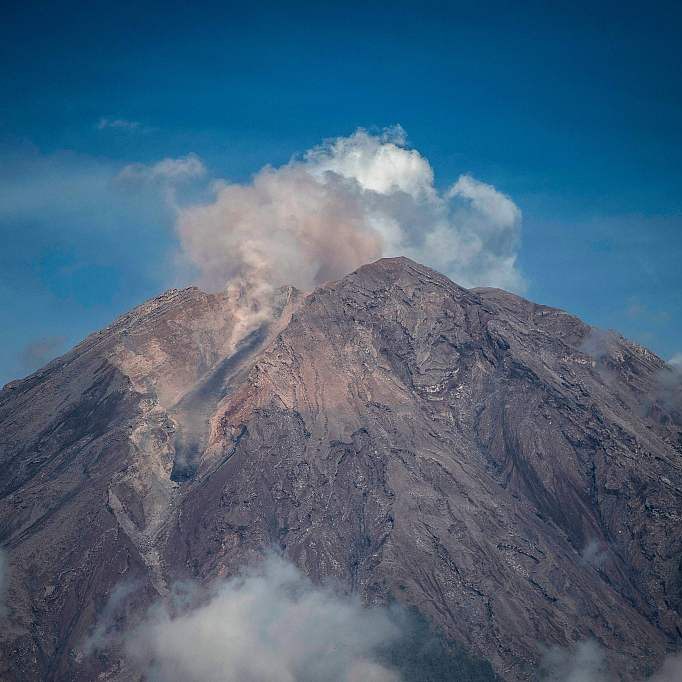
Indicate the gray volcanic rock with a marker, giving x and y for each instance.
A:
(498, 465)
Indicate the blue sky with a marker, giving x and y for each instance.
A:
(573, 112)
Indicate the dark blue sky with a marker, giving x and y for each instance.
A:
(570, 109)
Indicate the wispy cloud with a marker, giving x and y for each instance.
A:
(39, 352)
(121, 124)
(114, 610)
(586, 661)
(595, 553)
(670, 670)
(179, 169)
(78, 247)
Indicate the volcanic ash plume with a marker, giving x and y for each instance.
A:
(341, 205)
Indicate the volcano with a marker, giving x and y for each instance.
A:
(497, 466)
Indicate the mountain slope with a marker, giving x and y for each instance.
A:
(512, 474)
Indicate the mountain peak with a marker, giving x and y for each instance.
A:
(399, 266)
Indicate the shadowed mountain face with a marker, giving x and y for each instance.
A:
(495, 465)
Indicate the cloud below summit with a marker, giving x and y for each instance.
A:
(270, 623)
(344, 203)
(586, 661)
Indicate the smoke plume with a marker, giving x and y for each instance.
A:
(340, 205)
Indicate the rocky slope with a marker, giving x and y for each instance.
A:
(498, 465)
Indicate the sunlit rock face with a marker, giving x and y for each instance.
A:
(497, 465)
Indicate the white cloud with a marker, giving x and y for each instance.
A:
(180, 169)
(345, 203)
(40, 351)
(378, 163)
(498, 208)
(272, 625)
(676, 360)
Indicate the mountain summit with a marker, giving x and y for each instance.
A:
(498, 466)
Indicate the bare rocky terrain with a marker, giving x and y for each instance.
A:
(499, 466)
